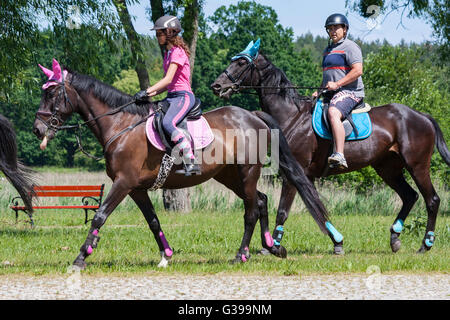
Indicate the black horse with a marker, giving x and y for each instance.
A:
(20, 176)
(401, 138)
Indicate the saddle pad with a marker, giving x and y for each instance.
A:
(199, 129)
(362, 122)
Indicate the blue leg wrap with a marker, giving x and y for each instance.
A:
(278, 235)
(335, 234)
(398, 226)
(429, 239)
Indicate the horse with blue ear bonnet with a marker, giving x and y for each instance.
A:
(401, 138)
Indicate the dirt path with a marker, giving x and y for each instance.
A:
(179, 287)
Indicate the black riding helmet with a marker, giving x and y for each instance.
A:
(168, 23)
(337, 18)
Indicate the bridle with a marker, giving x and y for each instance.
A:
(55, 121)
(236, 82)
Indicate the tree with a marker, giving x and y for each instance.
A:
(135, 45)
(20, 21)
(435, 12)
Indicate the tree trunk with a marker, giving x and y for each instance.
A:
(190, 34)
(136, 49)
(177, 200)
(157, 12)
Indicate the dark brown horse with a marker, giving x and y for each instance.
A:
(20, 176)
(401, 138)
(133, 163)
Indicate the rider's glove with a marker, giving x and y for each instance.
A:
(141, 97)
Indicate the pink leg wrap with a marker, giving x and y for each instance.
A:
(269, 240)
(89, 250)
(167, 250)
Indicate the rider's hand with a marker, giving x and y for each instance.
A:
(333, 86)
(141, 97)
(315, 94)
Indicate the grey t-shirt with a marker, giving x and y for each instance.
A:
(337, 59)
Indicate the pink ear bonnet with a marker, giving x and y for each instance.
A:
(54, 76)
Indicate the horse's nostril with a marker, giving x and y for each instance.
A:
(36, 132)
(216, 86)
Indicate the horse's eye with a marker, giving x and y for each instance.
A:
(241, 62)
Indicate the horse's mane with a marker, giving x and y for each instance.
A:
(277, 78)
(111, 96)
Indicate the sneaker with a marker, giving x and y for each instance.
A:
(337, 160)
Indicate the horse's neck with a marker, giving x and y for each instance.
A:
(284, 109)
(90, 107)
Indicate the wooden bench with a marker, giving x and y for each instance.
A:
(91, 199)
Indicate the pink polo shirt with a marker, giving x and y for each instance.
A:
(180, 81)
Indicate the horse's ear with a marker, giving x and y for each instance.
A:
(57, 75)
(46, 71)
(255, 48)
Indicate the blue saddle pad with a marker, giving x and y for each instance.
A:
(362, 122)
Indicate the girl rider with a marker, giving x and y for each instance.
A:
(177, 82)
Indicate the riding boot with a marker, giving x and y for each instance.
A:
(190, 168)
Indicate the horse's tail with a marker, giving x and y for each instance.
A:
(439, 140)
(296, 175)
(20, 176)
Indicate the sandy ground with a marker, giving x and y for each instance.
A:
(374, 286)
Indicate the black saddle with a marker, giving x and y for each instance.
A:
(194, 114)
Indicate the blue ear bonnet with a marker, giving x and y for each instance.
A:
(250, 53)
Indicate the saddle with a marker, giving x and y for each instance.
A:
(357, 124)
(194, 114)
(194, 125)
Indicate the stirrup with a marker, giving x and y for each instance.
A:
(190, 169)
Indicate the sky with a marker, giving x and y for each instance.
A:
(309, 16)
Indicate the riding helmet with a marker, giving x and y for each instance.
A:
(337, 18)
(167, 22)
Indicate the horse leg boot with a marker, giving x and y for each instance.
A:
(115, 196)
(144, 203)
(288, 193)
(422, 178)
(266, 239)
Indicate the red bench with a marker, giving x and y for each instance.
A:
(91, 199)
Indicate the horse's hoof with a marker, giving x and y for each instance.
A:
(164, 260)
(423, 249)
(396, 245)
(339, 250)
(79, 264)
(240, 257)
(280, 252)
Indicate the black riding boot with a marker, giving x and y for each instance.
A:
(190, 168)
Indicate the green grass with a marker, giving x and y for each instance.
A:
(204, 242)
(206, 239)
